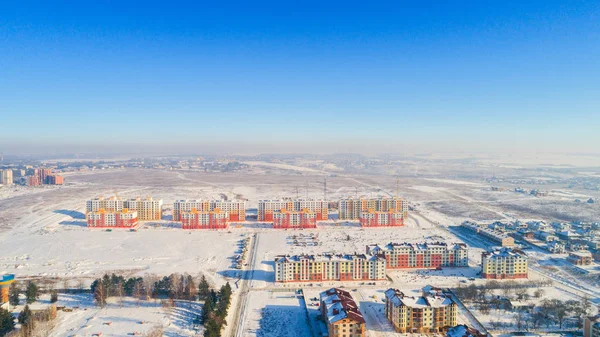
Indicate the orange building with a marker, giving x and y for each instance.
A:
(195, 219)
(294, 219)
(351, 209)
(341, 314)
(236, 209)
(390, 218)
(5, 283)
(112, 219)
(266, 208)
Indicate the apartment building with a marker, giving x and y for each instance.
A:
(112, 219)
(6, 177)
(351, 209)
(504, 263)
(580, 257)
(266, 208)
(489, 233)
(329, 267)
(236, 209)
(195, 219)
(147, 208)
(374, 218)
(432, 312)
(42, 174)
(54, 179)
(422, 255)
(285, 219)
(341, 314)
(33, 181)
(591, 326)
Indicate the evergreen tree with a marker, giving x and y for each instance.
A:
(32, 292)
(27, 321)
(203, 288)
(190, 290)
(212, 329)
(207, 310)
(13, 295)
(53, 296)
(7, 323)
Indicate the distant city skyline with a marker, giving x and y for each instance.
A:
(311, 78)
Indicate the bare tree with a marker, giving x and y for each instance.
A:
(138, 291)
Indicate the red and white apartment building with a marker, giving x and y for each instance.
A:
(294, 219)
(112, 219)
(422, 255)
(374, 218)
(195, 219)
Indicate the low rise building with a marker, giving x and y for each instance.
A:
(341, 314)
(422, 255)
(492, 234)
(329, 267)
(124, 218)
(504, 263)
(428, 313)
(285, 219)
(463, 330)
(580, 257)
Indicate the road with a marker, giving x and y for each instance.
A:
(247, 280)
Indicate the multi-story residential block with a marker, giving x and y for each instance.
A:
(580, 257)
(389, 218)
(422, 255)
(504, 263)
(33, 181)
(236, 209)
(294, 219)
(431, 312)
(329, 267)
(55, 179)
(147, 208)
(591, 326)
(112, 219)
(351, 209)
(6, 177)
(195, 219)
(41, 174)
(341, 314)
(5, 282)
(266, 208)
(492, 234)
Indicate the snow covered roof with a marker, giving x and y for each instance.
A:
(504, 252)
(428, 299)
(464, 331)
(338, 304)
(328, 257)
(374, 248)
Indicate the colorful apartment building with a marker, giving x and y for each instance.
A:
(124, 218)
(390, 218)
(422, 255)
(266, 208)
(236, 209)
(341, 314)
(351, 209)
(33, 181)
(303, 219)
(55, 179)
(5, 283)
(329, 267)
(147, 208)
(504, 263)
(432, 312)
(195, 219)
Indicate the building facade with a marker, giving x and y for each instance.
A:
(5, 282)
(55, 179)
(504, 263)
(285, 219)
(329, 267)
(236, 209)
(580, 258)
(112, 219)
(422, 255)
(147, 208)
(6, 177)
(341, 314)
(195, 219)
(351, 209)
(389, 218)
(266, 208)
(591, 326)
(432, 312)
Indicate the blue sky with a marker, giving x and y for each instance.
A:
(467, 75)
